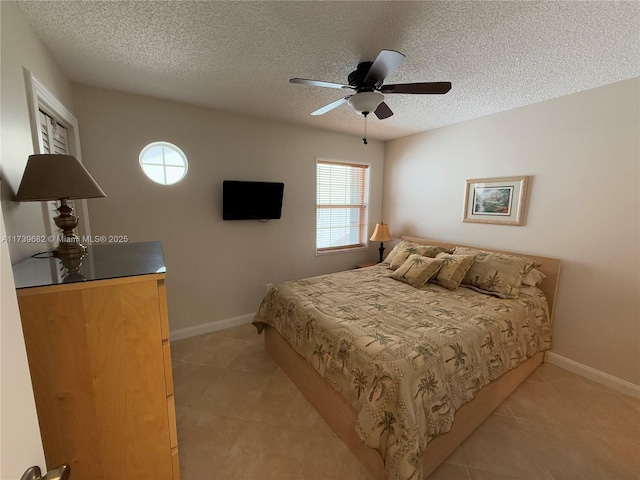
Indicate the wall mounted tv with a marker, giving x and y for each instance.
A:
(251, 200)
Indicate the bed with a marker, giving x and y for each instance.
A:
(403, 374)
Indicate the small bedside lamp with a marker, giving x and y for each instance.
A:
(381, 234)
(59, 177)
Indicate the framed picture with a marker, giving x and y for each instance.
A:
(495, 200)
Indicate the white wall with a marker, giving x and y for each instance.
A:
(583, 153)
(20, 46)
(216, 269)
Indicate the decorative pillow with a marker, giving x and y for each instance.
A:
(410, 248)
(497, 274)
(394, 251)
(417, 270)
(534, 277)
(453, 270)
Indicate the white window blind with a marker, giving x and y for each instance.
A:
(52, 134)
(53, 138)
(341, 200)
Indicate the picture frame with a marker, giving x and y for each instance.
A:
(499, 201)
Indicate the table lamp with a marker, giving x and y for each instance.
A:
(381, 234)
(59, 177)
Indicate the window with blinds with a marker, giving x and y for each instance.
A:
(341, 206)
(52, 134)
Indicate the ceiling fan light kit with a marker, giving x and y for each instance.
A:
(366, 102)
(367, 81)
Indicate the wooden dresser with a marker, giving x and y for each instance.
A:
(97, 342)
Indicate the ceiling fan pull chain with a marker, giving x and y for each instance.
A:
(364, 140)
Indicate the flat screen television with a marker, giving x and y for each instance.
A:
(251, 200)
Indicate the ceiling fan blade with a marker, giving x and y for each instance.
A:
(318, 83)
(331, 106)
(384, 64)
(434, 88)
(383, 111)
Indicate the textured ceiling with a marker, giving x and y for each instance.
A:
(238, 56)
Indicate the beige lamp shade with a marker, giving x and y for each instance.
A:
(54, 177)
(381, 233)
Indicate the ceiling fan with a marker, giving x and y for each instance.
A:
(367, 82)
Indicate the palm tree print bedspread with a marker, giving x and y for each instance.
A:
(404, 358)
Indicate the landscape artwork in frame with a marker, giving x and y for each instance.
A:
(495, 200)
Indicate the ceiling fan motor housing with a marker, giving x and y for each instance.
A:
(357, 77)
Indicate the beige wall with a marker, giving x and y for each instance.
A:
(20, 46)
(216, 269)
(583, 153)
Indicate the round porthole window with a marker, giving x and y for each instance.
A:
(163, 162)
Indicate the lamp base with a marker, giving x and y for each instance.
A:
(381, 249)
(69, 245)
(69, 249)
(71, 255)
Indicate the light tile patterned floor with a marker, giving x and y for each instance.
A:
(230, 397)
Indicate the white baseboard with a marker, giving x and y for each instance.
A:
(593, 374)
(211, 327)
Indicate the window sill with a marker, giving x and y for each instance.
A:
(340, 250)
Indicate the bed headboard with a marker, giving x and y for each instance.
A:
(549, 266)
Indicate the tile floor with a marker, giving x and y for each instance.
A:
(230, 397)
